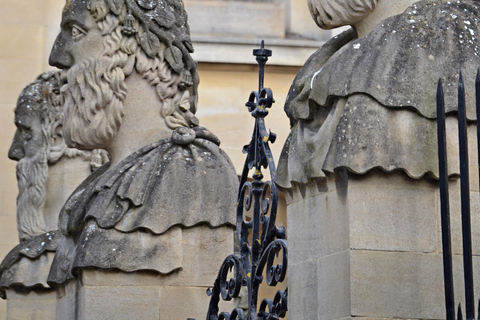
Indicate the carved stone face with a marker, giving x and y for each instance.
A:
(79, 39)
(29, 148)
(92, 109)
(329, 14)
(28, 139)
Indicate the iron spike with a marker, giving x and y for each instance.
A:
(465, 203)
(445, 205)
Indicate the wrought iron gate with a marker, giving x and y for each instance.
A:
(261, 242)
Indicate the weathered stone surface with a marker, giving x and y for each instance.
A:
(318, 229)
(41, 153)
(374, 285)
(27, 272)
(388, 213)
(356, 105)
(183, 303)
(456, 221)
(326, 216)
(46, 16)
(473, 158)
(303, 277)
(37, 305)
(70, 301)
(203, 250)
(46, 171)
(121, 303)
(237, 18)
(168, 194)
(324, 284)
(3, 309)
(402, 284)
(138, 295)
(390, 217)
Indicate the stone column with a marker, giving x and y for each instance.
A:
(369, 246)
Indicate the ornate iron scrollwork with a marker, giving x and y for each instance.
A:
(261, 242)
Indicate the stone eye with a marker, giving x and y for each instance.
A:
(77, 32)
(26, 135)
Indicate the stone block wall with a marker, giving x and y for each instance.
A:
(378, 246)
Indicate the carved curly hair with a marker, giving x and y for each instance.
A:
(330, 14)
(158, 48)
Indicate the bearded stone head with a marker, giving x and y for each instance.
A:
(37, 143)
(329, 14)
(101, 43)
(38, 118)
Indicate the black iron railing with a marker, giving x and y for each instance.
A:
(261, 242)
(465, 200)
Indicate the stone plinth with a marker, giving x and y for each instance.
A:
(33, 305)
(112, 294)
(377, 247)
(23, 285)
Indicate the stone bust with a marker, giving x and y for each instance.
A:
(130, 87)
(47, 171)
(39, 148)
(366, 99)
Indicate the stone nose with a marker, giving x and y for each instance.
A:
(16, 151)
(58, 56)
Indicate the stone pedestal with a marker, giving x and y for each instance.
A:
(112, 294)
(23, 285)
(34, 305)
(377, 249)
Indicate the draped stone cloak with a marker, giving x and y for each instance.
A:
(130, 217)
(371, 102)
(27, 265)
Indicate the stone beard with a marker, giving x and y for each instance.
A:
(93, 105)
(330, 14)
(32, 176)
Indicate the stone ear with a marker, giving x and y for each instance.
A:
(57, 145)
